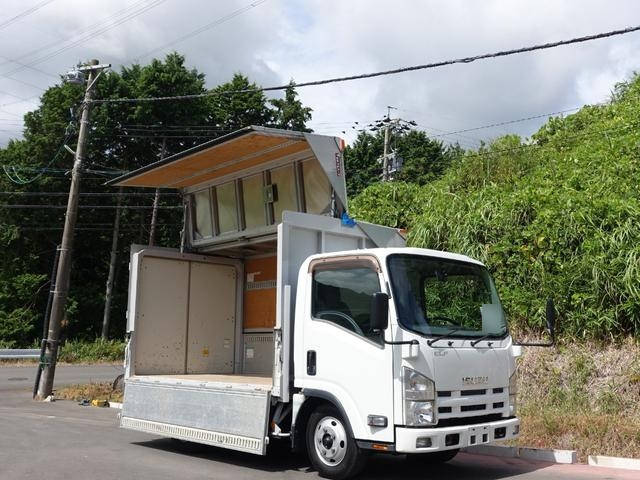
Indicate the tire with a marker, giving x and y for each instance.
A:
(434, 458)
(332, 450)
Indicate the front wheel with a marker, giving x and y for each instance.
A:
(332, 451)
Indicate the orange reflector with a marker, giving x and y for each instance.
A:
(379, 446)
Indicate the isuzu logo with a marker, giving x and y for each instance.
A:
(475, 380)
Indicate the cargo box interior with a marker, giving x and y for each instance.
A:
(206, 318)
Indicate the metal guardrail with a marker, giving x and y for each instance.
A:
(18, 353)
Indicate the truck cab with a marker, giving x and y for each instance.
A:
(413, 346)
(279, 319)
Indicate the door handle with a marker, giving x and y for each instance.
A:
(311, 362)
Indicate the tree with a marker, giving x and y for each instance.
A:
(124, 136)
(361, 162)
(424, 159)
(232, 111)
(289, 112)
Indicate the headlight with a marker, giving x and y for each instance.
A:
(419, 394)
(513, 393)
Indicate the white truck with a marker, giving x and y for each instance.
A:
(280, 319)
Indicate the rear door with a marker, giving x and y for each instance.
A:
(184, 313)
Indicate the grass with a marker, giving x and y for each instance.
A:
(90, 391)
(82, 352)
(582, 396)
(77, 351)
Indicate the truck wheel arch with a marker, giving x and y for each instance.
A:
(314, 398)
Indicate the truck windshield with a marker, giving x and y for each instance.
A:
(434, 296)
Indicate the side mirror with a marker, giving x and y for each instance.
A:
(379, 311)
(551, 318)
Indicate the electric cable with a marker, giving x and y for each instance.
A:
(502, 53)
(201, 29)
(24, 13)
(88, 194)
(85, 38)
(97, 207)
(89, 28)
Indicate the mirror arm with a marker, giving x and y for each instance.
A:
(406, 342)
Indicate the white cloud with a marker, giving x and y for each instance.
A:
(307, 40)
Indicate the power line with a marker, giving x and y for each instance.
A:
(96, 229)
(87, 194)
(564, 144)
(11, 171)
(77, 33)
(204, 28)
(24, 13)
(509, 122)
(98, 207)
(502, 53)
(82, 39)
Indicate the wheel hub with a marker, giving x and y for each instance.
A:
(330, 441)
(327, 440)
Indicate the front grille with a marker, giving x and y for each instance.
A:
(473, 408)
(465, 404)
(456, 422)
(469, 393)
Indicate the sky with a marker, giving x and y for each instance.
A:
(273, 41)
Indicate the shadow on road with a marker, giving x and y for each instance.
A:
(462, 467)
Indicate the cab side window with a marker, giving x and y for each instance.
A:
(342, 295)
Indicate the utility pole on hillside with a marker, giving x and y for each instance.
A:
(385, 154)
(48, 362)
(391, 126)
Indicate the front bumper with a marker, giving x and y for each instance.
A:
(448, 438)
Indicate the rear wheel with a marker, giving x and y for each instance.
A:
(332, 451)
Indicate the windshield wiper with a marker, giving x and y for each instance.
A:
(484, 337)
(440, 337)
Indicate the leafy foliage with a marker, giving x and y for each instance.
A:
(90, 352)
(424, 159)
(289, 112)
(556, 217)
(123, 137)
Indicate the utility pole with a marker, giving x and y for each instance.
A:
(385, 157)
(391, 125)
(112, 270)
(156, 201)
(64, 263)
(385, 154)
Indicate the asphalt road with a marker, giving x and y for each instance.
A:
(62, 440)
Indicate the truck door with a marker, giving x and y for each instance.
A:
(341, 354)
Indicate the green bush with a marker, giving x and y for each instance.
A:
(558, 217)
(89, 352)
